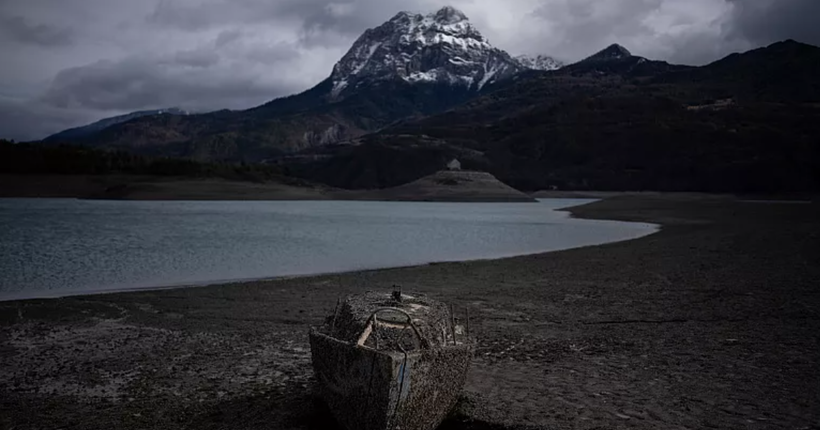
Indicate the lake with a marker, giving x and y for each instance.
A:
(56, 247)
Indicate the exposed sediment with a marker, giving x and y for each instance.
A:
(448, 186)
(712, 322)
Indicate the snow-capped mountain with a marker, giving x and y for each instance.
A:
(410, 66)
(441, 47)
(539, 62)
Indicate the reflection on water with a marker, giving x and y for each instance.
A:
(61, 246)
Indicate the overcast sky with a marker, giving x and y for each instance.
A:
(68, 63)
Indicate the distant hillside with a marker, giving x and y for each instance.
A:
(784, 72)
(747, 123)
(90, 129)
(614, 121)
(377, 161)
(78, 172)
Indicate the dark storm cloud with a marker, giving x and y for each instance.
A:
(582, 27)
(25, 121)
(345, 18)
(227, 37)
(200, 58)
(199, 16)
(22, 30)
(186, 79)
(762, 22)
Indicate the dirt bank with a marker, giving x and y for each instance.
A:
(711, 323)
(443, 187)
(447, 186)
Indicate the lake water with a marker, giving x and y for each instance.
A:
(54, 247)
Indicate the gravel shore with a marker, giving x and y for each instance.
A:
(714, 322)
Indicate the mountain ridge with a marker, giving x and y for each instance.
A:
(438, 47)
(88, 129)
(740, 124)
(539, 62)
(410, 65)
(613, 121)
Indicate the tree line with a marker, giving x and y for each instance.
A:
(63, 159)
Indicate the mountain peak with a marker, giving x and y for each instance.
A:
(618, 47)
(449, 15)
(791, 44)
(442, 47)
(401, 15)
(612, 52)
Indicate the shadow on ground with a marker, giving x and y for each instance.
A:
(298, 409)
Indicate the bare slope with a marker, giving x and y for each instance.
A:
(450, 186)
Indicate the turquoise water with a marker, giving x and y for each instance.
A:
(53, 247)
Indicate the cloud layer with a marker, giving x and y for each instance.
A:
(69, 63)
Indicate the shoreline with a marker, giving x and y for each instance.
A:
(181, 285)
(710, 322)
(444, 186)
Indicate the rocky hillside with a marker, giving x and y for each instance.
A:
(539, 62)
(91, 129)
(443, 47)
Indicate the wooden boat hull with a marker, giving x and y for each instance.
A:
(366, 389)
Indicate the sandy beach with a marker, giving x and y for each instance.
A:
(712, 322)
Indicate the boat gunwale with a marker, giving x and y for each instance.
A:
(392, 353)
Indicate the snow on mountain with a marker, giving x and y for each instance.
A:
(441, 47)
(539, 62)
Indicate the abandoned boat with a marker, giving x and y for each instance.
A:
(390, 361)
